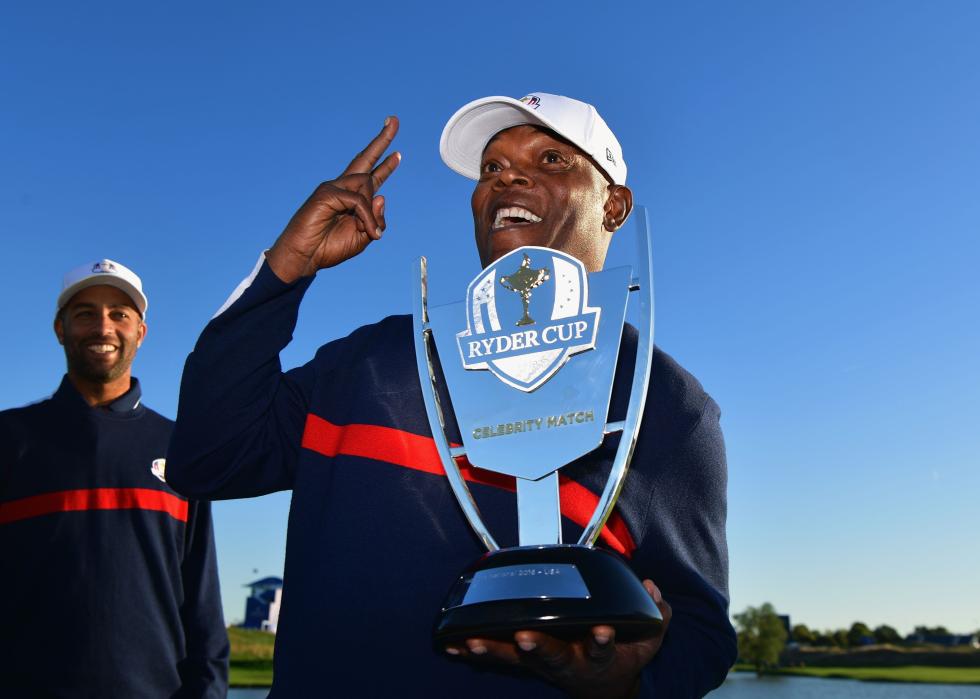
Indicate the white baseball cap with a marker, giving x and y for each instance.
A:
(470, 129)
(105, 272)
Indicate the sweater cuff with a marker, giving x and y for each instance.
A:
(265, 281)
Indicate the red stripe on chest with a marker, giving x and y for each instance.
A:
(419, 453)
(94, 499)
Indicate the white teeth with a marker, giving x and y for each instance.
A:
(102, 349)
(513, 212)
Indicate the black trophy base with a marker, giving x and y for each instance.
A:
(563, 590)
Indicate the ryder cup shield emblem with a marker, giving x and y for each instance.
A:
(527, 313)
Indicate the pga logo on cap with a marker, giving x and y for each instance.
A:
(527, 313)
(532, 101)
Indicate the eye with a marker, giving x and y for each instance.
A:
(554, 157)
(491, 167)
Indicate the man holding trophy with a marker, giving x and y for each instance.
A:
(381, 429)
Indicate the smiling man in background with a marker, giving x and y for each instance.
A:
(109, 577)
(375, 536)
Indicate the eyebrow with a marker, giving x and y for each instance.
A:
(558, 137)
(89, 304)
(541, 129)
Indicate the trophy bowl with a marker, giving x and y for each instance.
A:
(563, 590)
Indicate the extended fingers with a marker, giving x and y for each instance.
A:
(384, 170)
(364, 161)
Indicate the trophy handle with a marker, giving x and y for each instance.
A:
(423, 360)
(642, 283)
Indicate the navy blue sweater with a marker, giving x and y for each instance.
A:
(375, 535)
(108, 577)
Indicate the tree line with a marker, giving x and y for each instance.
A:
(762, 636)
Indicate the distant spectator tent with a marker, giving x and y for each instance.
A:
(262, 605)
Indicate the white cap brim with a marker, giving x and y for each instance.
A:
(137, 296)
(470, 129)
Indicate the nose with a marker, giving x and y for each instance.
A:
(105, 325)
(512, 176)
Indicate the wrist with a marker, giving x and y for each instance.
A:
(287, 265)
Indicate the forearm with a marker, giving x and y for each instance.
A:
(239, 418)
(696, 655)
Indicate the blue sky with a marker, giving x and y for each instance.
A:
(810, 168)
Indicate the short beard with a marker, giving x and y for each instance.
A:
(79, 366)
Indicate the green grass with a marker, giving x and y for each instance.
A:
(251, 666)
(249, 673)
(251, 657)
(904, 673)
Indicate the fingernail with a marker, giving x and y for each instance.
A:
(377, 232)
(452, 651)
(477, 649)
(601, 638)
(398, 155)
(387, 120)
(527, 645)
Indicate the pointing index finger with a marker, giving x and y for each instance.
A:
(364, 161)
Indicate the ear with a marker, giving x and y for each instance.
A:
(59, 329)
(141, 335)
(619, 204)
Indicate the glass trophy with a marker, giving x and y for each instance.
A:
(528, 359)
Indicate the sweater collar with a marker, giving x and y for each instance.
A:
(125, 403)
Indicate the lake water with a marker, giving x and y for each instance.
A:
(745, 685)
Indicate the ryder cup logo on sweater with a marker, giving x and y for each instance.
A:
(159, 469)
(527, 313)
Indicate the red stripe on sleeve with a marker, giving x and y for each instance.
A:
(419, 453)
(94, 499)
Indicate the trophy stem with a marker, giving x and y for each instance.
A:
(526, 318)
(538, 510)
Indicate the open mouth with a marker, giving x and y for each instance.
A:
(101, 349)
(513, 216)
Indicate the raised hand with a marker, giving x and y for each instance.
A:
(596, 666)
(341, 217)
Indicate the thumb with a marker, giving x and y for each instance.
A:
(378, 208)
